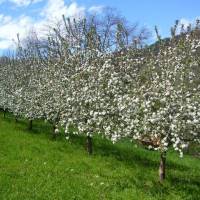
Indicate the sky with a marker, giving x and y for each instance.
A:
(21, 16)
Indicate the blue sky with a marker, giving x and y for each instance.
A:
(19, 16)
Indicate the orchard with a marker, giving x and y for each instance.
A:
(101, 80)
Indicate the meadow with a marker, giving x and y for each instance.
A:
(33, 166)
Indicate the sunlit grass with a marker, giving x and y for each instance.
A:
(33, 166)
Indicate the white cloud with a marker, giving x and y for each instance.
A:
(75, 11)
(10, 29)
(6, 44)
(20, 3)
(51, 12)
(5, 19)
(55, 10)
(96, 9)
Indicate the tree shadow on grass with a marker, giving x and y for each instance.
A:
(184, 184)
(126, 152)
(39, 127)
(141, 158)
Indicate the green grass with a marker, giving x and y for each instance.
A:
(34, 167)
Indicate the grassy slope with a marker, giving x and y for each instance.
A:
(32, 166)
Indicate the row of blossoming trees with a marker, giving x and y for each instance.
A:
(148, 95)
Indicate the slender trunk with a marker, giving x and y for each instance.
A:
(89, 145)
(4, 114)
(162, 166)
(54, 132)
(30, 125)
(16, 120)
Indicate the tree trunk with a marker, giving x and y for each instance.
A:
(16, 120)
(4, 114)
(30, 125)
(89, 145)
(162, 166)
(54, 132)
